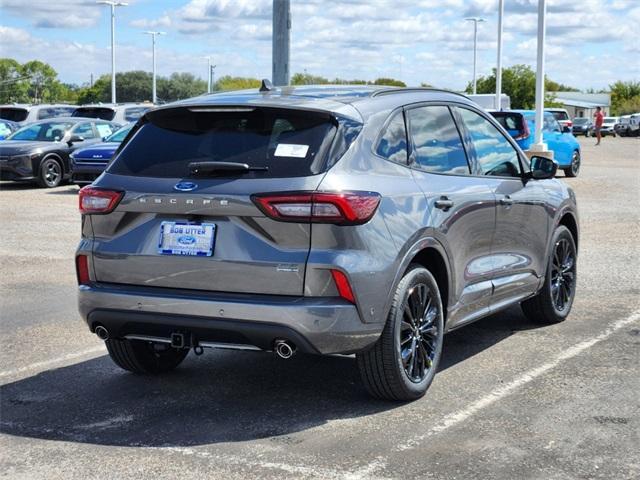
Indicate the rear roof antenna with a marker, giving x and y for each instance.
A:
(266, 85)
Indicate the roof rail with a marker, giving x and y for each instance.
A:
(391, 90)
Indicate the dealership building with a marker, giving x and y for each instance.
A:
(580, 104)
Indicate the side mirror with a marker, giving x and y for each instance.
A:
(566, 129)
(543, 168)
(75, 138)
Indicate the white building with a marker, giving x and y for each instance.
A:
(580, 104)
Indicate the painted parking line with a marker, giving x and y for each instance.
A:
(460, 416)
(59, 361)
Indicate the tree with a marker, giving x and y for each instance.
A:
(519, 82)
(625, 97)
(179, 86)
(236, 83)
(308, 79)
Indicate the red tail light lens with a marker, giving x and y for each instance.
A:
(96, 200)
(342, 208)
(343, 286)
(82, 270)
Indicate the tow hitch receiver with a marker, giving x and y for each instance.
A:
(177, 340)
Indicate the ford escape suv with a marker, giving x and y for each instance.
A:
(327, 220)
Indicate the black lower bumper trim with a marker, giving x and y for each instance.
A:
(262, 335)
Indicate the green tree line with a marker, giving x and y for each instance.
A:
(37, 82)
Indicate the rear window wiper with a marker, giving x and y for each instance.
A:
(221, 168)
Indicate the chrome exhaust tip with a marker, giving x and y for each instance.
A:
(101, 332)
(284, 349)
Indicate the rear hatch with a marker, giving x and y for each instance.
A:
(513, 123)
(178, 226)
(15, 114)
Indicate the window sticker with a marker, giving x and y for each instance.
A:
(291, 150)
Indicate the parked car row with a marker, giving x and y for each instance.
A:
(120, 113)
(628, 125)
(37, 141)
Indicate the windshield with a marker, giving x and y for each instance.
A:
(289, 143)
(119, 135)
(610, 120)
(43, 132)
(14, 114)
(580, 121)
(103, 113)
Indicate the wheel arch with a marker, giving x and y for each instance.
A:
(569, 221)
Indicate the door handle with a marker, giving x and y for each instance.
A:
(443, 203)
(506, 200)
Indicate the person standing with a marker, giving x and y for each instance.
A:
(599, 119)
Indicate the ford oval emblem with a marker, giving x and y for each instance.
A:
(186, 240)
(185, 186)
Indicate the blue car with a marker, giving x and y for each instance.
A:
(7, 127)
(520, 124)
(88, 163)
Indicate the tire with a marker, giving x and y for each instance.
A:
(144, 357)
(50, 173)
(402, 363)
(551, 305)
(574, 169)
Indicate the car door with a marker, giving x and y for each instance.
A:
(522, 220)
(556, 140)
(460, 207)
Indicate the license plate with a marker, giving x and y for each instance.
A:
(186, 239)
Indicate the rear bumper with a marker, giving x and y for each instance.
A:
(82, 173)
(323, 325)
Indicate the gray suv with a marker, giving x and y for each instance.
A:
(327, 220)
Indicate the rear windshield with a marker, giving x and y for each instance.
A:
(51, 112)
(134, 113)
(14, 114)
(102, 113)
(289, 143)
(509, 121)
(560, 115)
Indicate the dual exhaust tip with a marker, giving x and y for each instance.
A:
(283, 348)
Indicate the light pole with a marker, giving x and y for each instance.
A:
(280, 42)
(209, 72)
(498, 104)
(475, 21)
(113, 6)
(153, 84)
(542, 12)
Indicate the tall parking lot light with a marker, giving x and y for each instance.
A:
(475, 21)
(498, 104)
(113, 6)
(542, 12)
(153, 43)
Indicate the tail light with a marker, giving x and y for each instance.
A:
(569, 123)
(82, 270)
(98, 201)
(342, 208)
(343, 286)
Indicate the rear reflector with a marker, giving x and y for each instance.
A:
(82, 270)
(343, 286)
(98, 201)
(342, 208)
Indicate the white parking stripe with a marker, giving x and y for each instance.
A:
(460, 416)
(89, 352)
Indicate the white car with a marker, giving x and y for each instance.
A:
(121, 113)
(22, 113)
(608, 126)
(561, 115)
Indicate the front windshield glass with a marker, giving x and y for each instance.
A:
(119, 135)
(580, 121)
(610, 120)
(43, 132)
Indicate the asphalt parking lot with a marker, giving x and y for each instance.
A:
(512, 399)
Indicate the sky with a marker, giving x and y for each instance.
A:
(590, 43)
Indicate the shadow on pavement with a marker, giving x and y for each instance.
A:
(218, 397)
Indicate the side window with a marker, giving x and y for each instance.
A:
(495, 154)
(550, 124)
(104, 129)
(393, 144)
(85, 130)
(436, 141)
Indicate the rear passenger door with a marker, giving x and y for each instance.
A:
(460, 207)
(522, 221)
